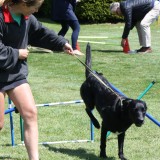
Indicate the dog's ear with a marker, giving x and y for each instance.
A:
(144, 104)
(126, 102)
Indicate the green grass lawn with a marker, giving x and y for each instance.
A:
(57, 77)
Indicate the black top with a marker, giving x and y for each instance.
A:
(14, 37)
(63, 10)
(134, 11)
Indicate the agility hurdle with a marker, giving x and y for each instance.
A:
(10, 110)
(66, 141)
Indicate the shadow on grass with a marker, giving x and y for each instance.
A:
(80, 153)
(108, 51)
(9, 158)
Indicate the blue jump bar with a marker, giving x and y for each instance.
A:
(9, 110)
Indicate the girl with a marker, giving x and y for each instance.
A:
(18, 29)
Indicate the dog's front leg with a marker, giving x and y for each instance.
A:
(93, 119)
(120, 146)
(103, 142)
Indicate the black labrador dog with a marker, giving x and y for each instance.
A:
(118, 113)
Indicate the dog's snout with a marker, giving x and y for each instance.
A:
(139, 122)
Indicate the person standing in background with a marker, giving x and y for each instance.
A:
(63, 13)
(138, 13)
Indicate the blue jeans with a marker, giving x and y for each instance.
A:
(75, 30)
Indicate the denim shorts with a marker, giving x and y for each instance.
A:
(10, 85)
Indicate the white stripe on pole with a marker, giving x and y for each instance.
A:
(58, 142)
(71, 141)
(59, 103)
(92, 42)
(92, 37)
(95, 42)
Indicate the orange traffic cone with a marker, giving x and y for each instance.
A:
(126, 47)
(77, 46)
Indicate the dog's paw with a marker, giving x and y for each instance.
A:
(121, 157)
(103, 155)
(96, 124)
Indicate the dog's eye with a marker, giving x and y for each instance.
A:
(135, 109)
(144, 109)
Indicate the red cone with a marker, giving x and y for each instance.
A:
(126, 47)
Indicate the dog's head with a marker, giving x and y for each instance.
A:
(137, 111)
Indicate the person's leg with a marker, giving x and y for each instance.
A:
(22, 98)
(64, 29)
(75, 32)
(150, 17)
(139, 33)
(2, 103)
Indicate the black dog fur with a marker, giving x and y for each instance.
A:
(118, 113)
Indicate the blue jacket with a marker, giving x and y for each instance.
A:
(63, 10)
(14, 37)
(134, 11)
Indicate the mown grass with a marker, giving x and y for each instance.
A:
(57, 78)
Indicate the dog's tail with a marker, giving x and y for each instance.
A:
(88, 59)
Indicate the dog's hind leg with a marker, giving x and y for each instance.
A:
(103, 142)
(120, 146)
(93, 119)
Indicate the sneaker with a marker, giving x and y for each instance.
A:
(78, 53)
(144, 50)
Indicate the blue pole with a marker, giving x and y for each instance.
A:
(147, 115)
(153, 119)
(22, 130)
(9, 110)
(11, 123)
(146, 90)
(92, 131)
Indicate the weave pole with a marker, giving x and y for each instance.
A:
(147, 114)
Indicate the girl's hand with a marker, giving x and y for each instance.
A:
(68, 49)
(23, 53)
(1, 2)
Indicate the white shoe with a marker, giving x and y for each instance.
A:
(78, 53)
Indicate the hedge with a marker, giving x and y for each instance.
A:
(87, 11)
